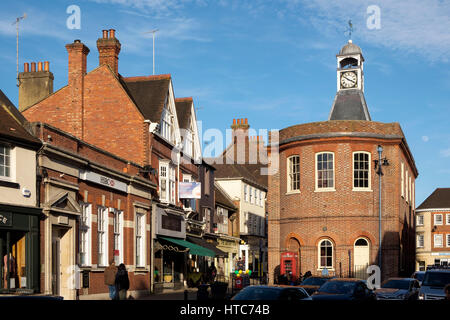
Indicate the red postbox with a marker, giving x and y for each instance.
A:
(289, 264)
(238, 283)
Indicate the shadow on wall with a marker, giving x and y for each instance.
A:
(276, 274)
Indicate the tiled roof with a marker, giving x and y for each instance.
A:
(183, 106)
(12, 123)
(148, 93)
(349, 105)
(439, 199)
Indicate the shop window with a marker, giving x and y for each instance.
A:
(13, 261)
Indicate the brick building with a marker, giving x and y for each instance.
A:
(324, 199)
(137, 119)
(97, 208)
(433, 230)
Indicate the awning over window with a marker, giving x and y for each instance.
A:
(210, 246)
(193, 248)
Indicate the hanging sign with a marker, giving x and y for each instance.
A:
(5, 219)
(190, 190)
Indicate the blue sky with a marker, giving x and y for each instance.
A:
(272, 62)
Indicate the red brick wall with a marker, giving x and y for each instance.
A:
(345, 213)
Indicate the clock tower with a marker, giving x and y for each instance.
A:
(349, 103)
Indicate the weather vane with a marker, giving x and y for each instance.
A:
(349, 29)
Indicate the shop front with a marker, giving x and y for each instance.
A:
(19, 249)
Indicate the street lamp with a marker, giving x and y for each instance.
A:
(378, 165)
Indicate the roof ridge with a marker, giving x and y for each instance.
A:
(187, 99)
(150, 78)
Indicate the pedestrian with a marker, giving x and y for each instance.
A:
(307, 275)
(212, 272)
(110, 279)
(122, 282)
(447, 292)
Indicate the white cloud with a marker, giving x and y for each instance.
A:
(412, 26)
(445, 153)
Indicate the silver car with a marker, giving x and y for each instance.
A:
(433, 284)
(398, 289)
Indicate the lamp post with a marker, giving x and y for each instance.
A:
(378, 164)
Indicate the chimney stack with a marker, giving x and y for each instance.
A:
(109, 49)
(34, 86)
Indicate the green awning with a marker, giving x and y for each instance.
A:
(193, 248)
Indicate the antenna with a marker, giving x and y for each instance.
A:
(17, 45)
(153, 31)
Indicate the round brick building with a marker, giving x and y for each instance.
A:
(324, 200)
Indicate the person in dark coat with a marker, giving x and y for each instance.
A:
(122, 282)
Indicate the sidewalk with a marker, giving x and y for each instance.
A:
(175, 295)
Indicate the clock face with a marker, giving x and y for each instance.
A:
(348, 79)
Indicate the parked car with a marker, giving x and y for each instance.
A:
(312, 284)
(434, 281)
(418, 275)
(344, 289)
(290, 293)
(398, 289)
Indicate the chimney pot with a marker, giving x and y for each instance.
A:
(245, 120)
(234, 121)
(33, 67)
(26, 67)
(105, 34)
(242, 120)
(46, 66)
(112, 33)
(39, 66)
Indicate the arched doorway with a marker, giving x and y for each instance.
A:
(361, 259)
(294, 246)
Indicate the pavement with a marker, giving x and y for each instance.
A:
(174, 295)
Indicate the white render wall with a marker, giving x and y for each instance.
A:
(23, 172)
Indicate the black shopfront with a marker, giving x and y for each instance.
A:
(19, 249)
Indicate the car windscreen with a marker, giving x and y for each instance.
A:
(419, 276)
(436, 279)
(256, 293)
(396, 284)
(314, 281)
(338, 287)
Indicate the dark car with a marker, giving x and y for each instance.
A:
(312, 284)
(289, 293)
(344, 289)
(398, 289)
(418, 275)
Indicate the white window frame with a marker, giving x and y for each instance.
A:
(164, 181)
(7, 153)
(291, 175)
(167, 125)
(140, 231)
(250, 192)
(437, 236)
(85, 234)
(420, 240)
(447, 240)
(369, 176)
(319, 255)
(172, 184)
(324, 189)
(102, 235)
(403, 180)
(436, 223)
(118, 233)
(421, 216)
(406, 186)
(261, 199)
(255, 196)
(188, 143)
(447, 221)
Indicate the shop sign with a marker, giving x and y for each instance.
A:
(103, 180)
(5, 219)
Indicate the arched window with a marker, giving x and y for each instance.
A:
(325, 254)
